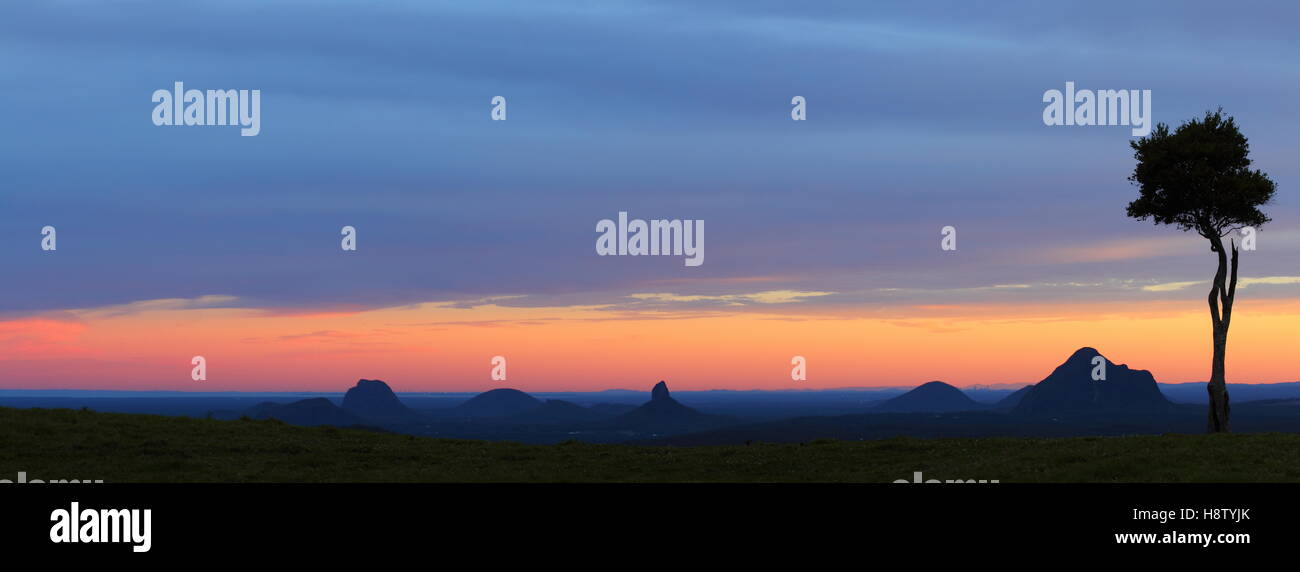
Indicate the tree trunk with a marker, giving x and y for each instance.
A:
(1222, 293)
(1218, 386)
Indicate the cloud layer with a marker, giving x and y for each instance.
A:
(375, 115)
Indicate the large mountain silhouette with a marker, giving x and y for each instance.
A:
(502, 402)
(932, 397)
(1071, 389)
(373, 399)
(663, 414)
(315, 411)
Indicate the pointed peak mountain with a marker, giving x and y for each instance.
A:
(1083, 354)
(660, 392)
(1070, 388)
(663, 414)
(1083, 358)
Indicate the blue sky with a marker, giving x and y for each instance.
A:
(376, 115)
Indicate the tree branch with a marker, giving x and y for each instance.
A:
(1232, 289)
(1218, 294)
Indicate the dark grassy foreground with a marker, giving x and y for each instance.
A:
(65, 444)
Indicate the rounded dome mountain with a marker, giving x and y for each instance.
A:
(932, 397)
(497, 403)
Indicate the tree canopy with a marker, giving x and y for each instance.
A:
(1198, 177)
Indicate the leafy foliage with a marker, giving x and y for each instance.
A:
(1198, 177)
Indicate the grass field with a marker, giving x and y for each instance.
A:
(66, 444)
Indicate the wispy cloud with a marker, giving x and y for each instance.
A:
(142, 306)
(1170, 286)
(765, 297)
(1272, 280)
(1241, 283)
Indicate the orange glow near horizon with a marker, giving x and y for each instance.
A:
(433, 347)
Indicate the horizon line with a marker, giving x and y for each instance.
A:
(864, 389)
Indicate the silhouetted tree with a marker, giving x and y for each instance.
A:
(1198, 177)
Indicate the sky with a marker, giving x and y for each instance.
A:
(476, 238)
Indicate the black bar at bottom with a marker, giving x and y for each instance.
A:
(576, 522)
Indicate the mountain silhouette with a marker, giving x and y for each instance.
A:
(502, 402)
(660, 393)
(314, 411)
(932, 397)
(1071, 389)
(373, 399)
(663, 414)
